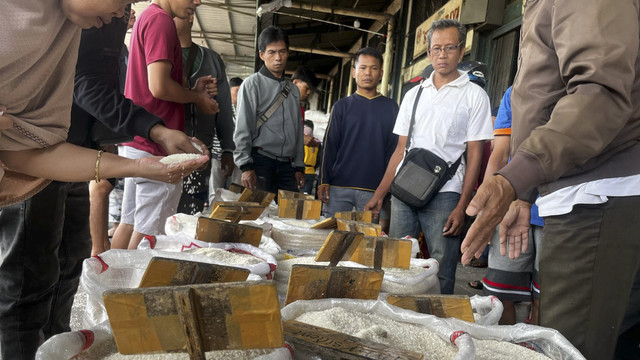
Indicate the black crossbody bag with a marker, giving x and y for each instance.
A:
(422, 173)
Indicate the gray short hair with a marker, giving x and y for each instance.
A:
(445, 24)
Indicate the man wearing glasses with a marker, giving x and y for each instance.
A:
(453, 116)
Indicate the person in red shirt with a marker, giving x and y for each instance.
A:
(154, 81)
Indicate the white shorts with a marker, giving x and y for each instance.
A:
(147, 204)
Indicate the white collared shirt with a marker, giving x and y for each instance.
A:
(446, 119)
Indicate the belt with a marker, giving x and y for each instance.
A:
(271, 156)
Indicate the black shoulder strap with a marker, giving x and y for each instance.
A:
(413, 118)
(454, 167)
(276, 104)
(191, 58)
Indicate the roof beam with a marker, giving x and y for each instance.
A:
(321, 52)
(339, 11)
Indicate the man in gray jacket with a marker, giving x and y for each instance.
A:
(200, 61)
(269, 135)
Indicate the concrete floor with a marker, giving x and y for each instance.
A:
(464, 274)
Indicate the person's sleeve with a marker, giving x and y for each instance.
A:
(157, 35)
(392, 139)
(102, 99)
(598, 67)
(503, 120)
(245, 125)
(224, 121)
(330, 146)
(403, 120)
(480, 126)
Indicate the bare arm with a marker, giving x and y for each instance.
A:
(454, 223)
(375, 204)
(67, 162)
(163, 87)
(499, 156)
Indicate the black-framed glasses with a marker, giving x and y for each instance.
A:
(448, 49)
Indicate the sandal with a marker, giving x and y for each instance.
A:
(476, 284)
(477, 263)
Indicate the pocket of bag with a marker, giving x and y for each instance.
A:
(416, 180)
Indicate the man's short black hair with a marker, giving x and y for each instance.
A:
(306, 75)
(235, 81)
(270, 35)
(308, 123)
(368, 51)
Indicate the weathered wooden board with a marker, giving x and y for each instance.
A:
(444, 306)
(215, 231)
(261, 197)
(236, 211)
(334, 345)
(396, 253)
(309, 282)
(299, 208)
(174, 272)
(338, 246)
(238, 315)
(236, 188)
(286, 194)
(363, 216)
(330, 223)
(367, 229)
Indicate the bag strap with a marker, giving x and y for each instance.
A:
(451, 170)
(413, 119)
(191, 58)
(276, 104)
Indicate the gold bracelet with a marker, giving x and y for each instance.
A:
(98, 166)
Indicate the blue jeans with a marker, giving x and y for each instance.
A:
(431, 219)
(345, 199)
(43, 241)
(309, 183)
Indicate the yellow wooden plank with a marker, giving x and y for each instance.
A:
(299, 208)
(261, 197)
(285, 194)
(216, 230)
(175, 272)
(236, 315)
(367, 229)
(396, 252)
(308, 282)
(330, 223)
(363, 216)
(236, 211)
(339, 245)
(444, 306)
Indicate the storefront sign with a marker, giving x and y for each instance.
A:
(450, 10)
